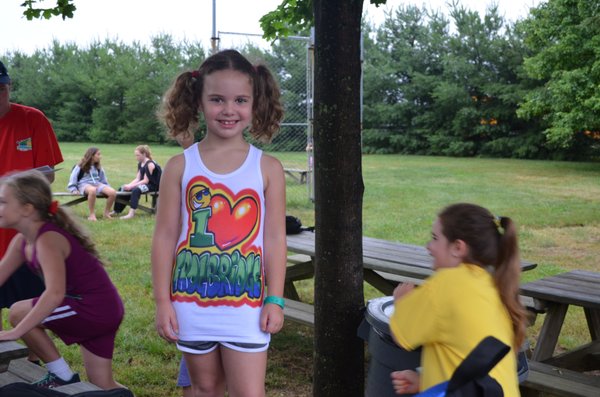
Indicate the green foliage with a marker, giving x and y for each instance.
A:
(564, 38)
(290, 17)
(108, 92)
(433, 90)
(63, 8)
(462, 85)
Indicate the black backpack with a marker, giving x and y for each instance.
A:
(471, 378)
(156, 174)
(79, 174)
(294, 226)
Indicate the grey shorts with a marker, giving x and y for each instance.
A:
(183, 379)
(99, 188)
(202, 347)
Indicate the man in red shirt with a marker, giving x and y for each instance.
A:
(27, 141)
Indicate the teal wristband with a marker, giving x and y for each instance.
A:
(275, 300)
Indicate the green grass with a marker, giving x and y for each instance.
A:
(555, 204)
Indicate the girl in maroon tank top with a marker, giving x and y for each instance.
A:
(80, 303)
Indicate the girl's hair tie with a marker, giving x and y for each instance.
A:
(498, 223)
(53, 208)
(195, 74)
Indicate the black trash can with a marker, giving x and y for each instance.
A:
(386, 356)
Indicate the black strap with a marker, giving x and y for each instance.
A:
(479, 362)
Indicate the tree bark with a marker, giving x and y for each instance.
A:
(339, 299)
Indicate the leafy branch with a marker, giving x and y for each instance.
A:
(63, 8)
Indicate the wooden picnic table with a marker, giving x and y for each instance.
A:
(122, 197)
(386, 263)
(564, 372)
(297, 174)
(554, 295)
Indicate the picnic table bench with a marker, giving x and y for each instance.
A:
(14, 367)
(562, 374)
(122, 197)
(297, 174)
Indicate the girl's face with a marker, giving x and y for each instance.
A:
(96, 157)
(138, 156)
(10, 207)
(444, 252)
(227, 103)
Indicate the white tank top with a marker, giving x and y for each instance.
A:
(218, 275)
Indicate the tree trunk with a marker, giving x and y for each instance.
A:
(339, 299)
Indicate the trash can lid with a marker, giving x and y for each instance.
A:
(379, 311)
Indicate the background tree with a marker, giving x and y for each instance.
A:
(339, 357)
(564, 36)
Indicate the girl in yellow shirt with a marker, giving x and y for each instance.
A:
(473, 294)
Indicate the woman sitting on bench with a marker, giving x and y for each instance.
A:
(89, 179)
(146, 180)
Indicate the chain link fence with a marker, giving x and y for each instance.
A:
(291, 61)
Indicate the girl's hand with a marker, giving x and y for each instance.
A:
(271, 318)
(403, 289)
(166, 322)
(405, 382)
(9, 335)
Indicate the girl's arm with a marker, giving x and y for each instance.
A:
(164, 241)
(146, 179)
(275, 243)
(13, 258)
(134, 182)
(72, 186)
(102, 176)
(51, 250)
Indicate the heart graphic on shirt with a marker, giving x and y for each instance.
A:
(232, 225)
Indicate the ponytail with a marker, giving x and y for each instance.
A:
(507, 276)
(65, 221)
(267, 111)
(180, 105)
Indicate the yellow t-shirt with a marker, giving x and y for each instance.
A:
(449, 314)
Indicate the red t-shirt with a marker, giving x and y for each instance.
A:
(27, 141)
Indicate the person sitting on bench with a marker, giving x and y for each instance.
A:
(146, 180)
(89, 179)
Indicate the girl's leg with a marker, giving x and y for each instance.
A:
(99, 370)
(245, 372)
(136, 193)
(206, 374)
(90, 191)
(111, 195)
(37, 340)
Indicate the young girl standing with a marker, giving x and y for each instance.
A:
(88, 178)
(80, 304)
(473, 294)
(220, 237)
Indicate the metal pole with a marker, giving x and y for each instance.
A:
(214, 40)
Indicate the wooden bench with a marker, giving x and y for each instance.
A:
(122, 197)
(558, 374)
(14, 367)
(298, 175)
(545, 378)
(300, 312)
